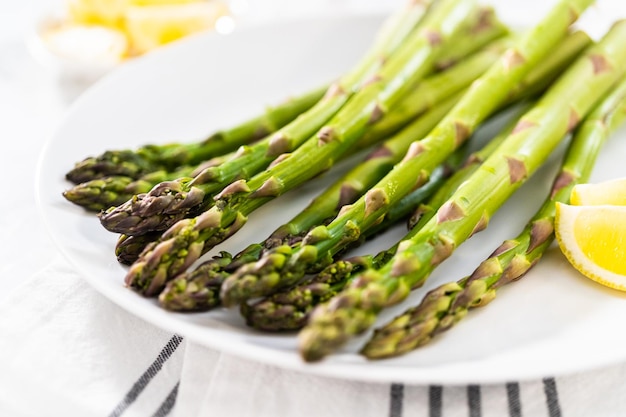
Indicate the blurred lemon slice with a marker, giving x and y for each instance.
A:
(608, 192)
(593, 238)
(149, 27)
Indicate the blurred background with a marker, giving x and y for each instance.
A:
(76, 41)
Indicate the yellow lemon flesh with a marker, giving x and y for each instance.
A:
(611, 192)
(149, 27)
(593, 238)
(97, 12)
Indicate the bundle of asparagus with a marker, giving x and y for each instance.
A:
(437, 71)
(289, 309)
(291, 262)
(188, 239)
(429, 93)
(171, 201)
(468, 210)
(447, 304)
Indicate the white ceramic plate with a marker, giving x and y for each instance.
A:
(551, 322)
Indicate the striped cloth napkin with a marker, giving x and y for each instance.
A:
(68, 351)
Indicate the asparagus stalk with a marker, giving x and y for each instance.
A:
(322, 244)
(200, 289)
(446, 305)
(101, 193)
(172, 201)
(468, 211)
(289, 309)
(128, 248)
(184, 242)
(149, 158)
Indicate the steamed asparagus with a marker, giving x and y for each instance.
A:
(285, 265)
(200, 289)
(447, 304)
(289, 309)
(188, 239)
(468, 210)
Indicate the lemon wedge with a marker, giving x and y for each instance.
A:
(149, 27)
(593, 239)
(611, 192)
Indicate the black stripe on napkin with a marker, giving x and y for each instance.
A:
(552, 397)
(435, 405)
(513, 398)
(168, 403)
(473, 400)
(147, 376)
(396, 400)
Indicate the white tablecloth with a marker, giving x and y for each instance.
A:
(67, 351)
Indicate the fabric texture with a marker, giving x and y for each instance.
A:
(74, 353)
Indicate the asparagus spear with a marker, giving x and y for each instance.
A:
(149, 158)
(101, 193)
(200, 289)
(446, 305)
(321, 244)
(184, 242)
(128, 248)
(172, 201)
(538, 132)
(289, 309)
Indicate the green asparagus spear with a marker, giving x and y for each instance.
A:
(102, 193)
(128, 248)
(149, 158)
(185, 242)
(446, 305)
(320, 246)
(172, 201)
(468, 211)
